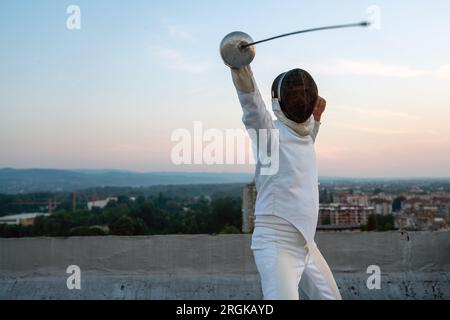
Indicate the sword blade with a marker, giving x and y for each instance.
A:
(339, 26)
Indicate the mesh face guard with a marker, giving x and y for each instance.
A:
(297, 94)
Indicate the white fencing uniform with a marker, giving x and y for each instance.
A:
(283, 258)
(291, 194)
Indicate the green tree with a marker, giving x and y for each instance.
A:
(128, 226)
(226, 211)
(140, 227)
(15, 231)
(229, 230)
(385, 223)
(377, 191)
(87, 231)
(326, 220)
(371, 223)
(155, 219)
(124, 226)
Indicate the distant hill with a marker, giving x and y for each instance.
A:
(14, 181)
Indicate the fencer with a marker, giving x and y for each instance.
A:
(287, 204)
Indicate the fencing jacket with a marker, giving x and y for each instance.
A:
(291, 193)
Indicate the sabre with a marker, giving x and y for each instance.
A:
(237, 48)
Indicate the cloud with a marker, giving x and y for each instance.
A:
(207, 91)
(177, 32)
(173, 58)
(368, 68)
(333, 151)
(176, 60)
(378, 69)
(381, 131)
(356, 67)
(432, 132)
(444, 71)
(376, 112)
(399, 131)
(130, 147)
(271, 64)
(382, 113)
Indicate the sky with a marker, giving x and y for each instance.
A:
(110, 94)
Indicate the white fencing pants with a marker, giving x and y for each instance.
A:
(283, 259)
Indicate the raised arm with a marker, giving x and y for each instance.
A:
(315, 130)
(255, 115)
(317, 114)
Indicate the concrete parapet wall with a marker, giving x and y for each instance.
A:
(413, 266)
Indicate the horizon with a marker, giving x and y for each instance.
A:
(112, 170)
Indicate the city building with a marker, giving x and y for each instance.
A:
(343, 214)
(419, 218)
(340, 197)
(442, 202)
(349, 210)
(382, 206)
(357, 199)
(248, 207)
(100, 203)
(23, 219)
(424, 212)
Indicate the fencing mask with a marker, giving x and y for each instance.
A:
(296, 93)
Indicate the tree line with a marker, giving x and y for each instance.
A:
(143, 216)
